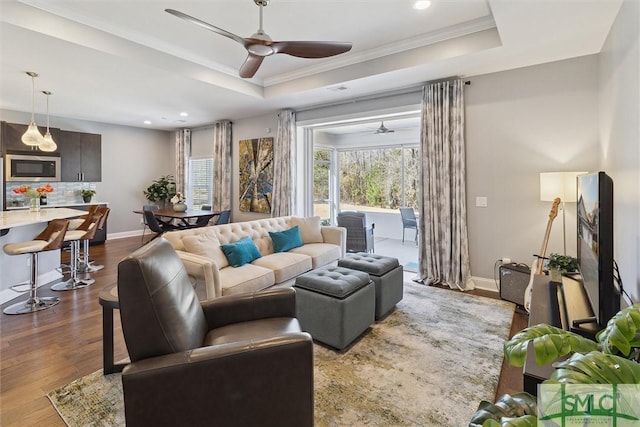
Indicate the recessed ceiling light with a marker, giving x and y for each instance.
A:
(147, 122)
(421, 4)
(183, 114)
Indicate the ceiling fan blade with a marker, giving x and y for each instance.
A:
(207, 26)
(311, 49)
(250, 66)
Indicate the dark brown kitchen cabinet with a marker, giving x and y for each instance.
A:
(81, 157)
(12, 140)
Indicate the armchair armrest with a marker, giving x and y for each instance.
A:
(215, 385)
(279, 302)
(203, 269)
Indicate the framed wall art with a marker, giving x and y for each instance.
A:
(256, 175)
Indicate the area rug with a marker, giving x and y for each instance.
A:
(429, 363)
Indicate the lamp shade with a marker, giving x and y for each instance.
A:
(558, 184)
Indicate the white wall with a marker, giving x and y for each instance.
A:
(131, 159)
(620, 136)
(519, 123)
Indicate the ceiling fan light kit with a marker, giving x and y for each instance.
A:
(260, 45)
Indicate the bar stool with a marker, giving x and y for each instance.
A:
(49, 239)
(86, 265)
(86, 231)
(77, 222)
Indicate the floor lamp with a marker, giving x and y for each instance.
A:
(559, 184)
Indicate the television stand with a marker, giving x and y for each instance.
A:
(579, 322)
(559, 305)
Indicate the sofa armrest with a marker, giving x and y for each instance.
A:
(203, 269)
(336, 236)
(278, 302)
(242, 383)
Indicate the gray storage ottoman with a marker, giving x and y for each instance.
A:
(334, 304)
(385, 272)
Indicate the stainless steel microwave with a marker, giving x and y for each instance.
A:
(24, 167)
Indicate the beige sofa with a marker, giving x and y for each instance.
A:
(200, 251)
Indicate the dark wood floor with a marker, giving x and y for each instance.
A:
(43, 351)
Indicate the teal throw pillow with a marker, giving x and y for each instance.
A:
(241, 252)
(286, 240)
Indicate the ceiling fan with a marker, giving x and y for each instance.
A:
(260, 45)
(383, 129)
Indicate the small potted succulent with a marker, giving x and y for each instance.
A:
(87, 194)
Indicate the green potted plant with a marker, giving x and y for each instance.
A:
(613, 359)
(161, 190)
(564, 263)
(87, 194)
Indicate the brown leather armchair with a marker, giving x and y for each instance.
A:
(239, 360)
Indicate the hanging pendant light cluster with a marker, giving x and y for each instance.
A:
(32, 137)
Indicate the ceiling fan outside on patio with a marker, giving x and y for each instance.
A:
(260, 45)
(382, 129)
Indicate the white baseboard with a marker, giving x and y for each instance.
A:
(485, 284)
(124, 234)
(45, 278)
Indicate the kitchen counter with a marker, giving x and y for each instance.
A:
(20, 217)
(57, 205)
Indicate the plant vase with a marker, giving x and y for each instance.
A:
(35, 204)
(87, 199)
(179, 207)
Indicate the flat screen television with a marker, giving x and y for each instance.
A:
(595, 245)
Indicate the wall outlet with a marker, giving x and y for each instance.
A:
(481, 202)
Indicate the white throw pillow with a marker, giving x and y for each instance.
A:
(309, 228)
(206, 244)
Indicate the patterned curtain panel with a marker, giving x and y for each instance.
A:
(222, 166)
(444, 248)
(183, 151)
(283, 165)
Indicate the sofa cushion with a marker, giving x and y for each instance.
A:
(248, 278)
(320, 253)
(285, 265)
(310, 229)
(241, 252)
(286, 240)
(205, 244)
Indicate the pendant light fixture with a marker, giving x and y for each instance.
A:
(48, 144)
(32, 136)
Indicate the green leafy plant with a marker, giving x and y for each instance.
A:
(87, 193)
(564, 263)
(590, 362)
(161, 189)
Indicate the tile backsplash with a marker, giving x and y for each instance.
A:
(63, 193)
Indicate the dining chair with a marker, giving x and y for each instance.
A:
(409, 221)
(144, 219)
(224, 217)
(158, 226)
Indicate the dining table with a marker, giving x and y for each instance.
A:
(183, 216)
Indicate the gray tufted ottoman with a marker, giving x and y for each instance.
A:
(385, 272)
(334, 304)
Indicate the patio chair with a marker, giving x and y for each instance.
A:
(359, 236)
(410, 221)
